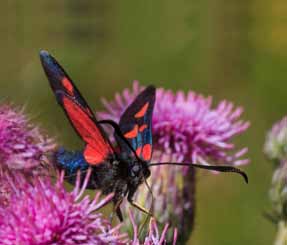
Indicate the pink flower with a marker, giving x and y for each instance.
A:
(185, 128)
(21, 143)
(40, 212)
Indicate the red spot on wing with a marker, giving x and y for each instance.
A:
(146, 152)
(92, 156)
(142, 127)
(68, 85)
(142, 111)
(133, 133)
(138, 151)
(97, 148)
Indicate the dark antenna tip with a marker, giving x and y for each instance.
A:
(244, 175)
(219, 168)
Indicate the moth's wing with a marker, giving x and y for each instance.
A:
(136, 124)
(98, 147)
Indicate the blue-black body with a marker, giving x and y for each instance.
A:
(121, 174)
(71, 161)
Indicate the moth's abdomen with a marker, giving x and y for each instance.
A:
(70, 161)
(102, 176)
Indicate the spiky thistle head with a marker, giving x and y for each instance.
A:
(40, 212)
(185, 128)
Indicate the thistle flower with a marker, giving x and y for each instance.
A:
(278, 192)
(276, 141)
(187, 127)
(153, 237)
(275, 148)
(278, 198)
(21, 143)
(40, 212)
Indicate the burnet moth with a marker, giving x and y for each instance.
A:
(120, 172)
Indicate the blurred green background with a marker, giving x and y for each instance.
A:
(235, 50)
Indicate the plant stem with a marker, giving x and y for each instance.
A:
(281, 237)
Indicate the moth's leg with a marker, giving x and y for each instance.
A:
(144, 210)
(117, 210)
(149, 214)
(136, 205)
(119, 214)
(130, 199)
(152, 197)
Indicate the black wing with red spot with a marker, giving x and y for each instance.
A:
(136, 124)
(98, 147)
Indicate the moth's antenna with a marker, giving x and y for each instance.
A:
(219, 168)
(120, 134)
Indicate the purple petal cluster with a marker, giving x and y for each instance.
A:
(4, 190)
(21, 143)
(153, 236)
(276, 141)
(41, 212)
(187, 127)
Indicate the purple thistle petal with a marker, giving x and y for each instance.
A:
(21, 143)
(5, 191)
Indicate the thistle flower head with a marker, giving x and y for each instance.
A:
(278, 193)
(187, 127)
(276, 141)
(21, 143)
(40, 212)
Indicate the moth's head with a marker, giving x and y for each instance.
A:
(145, 169)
